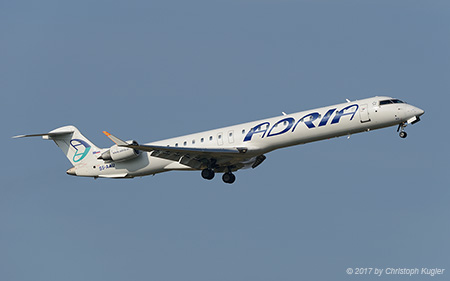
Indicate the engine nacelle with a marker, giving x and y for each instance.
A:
(118, 154)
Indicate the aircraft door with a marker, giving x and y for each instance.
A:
(364, 113)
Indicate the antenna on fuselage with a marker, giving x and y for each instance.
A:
(347, 100)
(284, 113)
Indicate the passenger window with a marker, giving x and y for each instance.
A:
(185, 143)
(210, 138)
(202, 140)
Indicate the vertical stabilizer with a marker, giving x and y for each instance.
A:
(74, 145)
(77, 148)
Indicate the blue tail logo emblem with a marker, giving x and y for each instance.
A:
(81, 149)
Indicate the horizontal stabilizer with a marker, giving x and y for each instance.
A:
(27, 136)
(46, 135)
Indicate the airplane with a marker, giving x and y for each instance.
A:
(229, 149)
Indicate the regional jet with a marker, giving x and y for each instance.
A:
(229, 149)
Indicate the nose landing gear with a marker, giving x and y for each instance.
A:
(401, 129)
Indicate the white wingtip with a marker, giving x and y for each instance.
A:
(19, 136)
(27, 136)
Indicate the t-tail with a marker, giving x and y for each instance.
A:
(77, 148)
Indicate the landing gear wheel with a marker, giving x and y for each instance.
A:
(401, 128)
(208, 174)
(228, 177)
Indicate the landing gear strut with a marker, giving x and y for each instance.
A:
(401, 128)
(228, 176)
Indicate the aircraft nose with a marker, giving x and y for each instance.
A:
(71, 171)
(419, 111)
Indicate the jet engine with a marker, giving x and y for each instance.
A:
(119, 154)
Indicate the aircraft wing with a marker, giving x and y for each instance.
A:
(194, 157)
(179, 150)
(187, 150)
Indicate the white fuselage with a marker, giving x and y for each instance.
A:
(265, 135)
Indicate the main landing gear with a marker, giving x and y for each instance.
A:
(401, 129)
(228, 177)
(208, 174)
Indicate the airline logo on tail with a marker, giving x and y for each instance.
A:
(81, 149)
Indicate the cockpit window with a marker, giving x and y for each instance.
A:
(384, 102)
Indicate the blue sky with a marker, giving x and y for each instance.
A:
(149, 70)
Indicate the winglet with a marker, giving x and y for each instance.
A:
(116, 140)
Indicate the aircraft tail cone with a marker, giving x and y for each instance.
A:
(71, 171)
